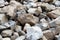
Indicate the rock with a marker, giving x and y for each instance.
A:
(35, 11)
(57, 37)
(2, 3)
(49, 1)
(57, 30)
(52, 15)
(31, 0)
(48, 34)
(6, 39)
(34, 33)
(44, 24)
(3, 18)
(6, 33)
(20, 38)
(47, 7)
(57, 3)
(26, 26)
(18, 28)
(2, 27)
(28, 18)
(15, 35)
(0, 37)
(44, 38)
(10, 24)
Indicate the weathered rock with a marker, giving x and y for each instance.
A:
(2, 27)
(6, 33)
(44, 38)
(3, 18)
(57, 30)
(34, 33)
(28, 18)
(6, 39)
(48, 34)
(20, 38)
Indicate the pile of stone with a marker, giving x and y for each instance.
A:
(29, 19)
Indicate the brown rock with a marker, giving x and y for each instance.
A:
(48, 34)
(27, 18)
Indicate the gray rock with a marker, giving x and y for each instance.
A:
(57, 37)
(57, 3)
(34, 33)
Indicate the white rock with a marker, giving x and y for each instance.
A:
(2, 27)
(20, 38)
(6, 33)
(34, 33)
(2, 3)
(6, 39)
(3, 18)
(57, 3)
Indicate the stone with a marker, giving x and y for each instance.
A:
(2, 3)
(57, 37)
(2, 27)
(57, 3)
(3, 18)
(10, 24)
(44, 38)
(48, 34)
(34, 33)
(15, 35)
(20, 38)
(6, 33)
(44, 23)
(47, 7)
(18, 28)
(35, 11)
(0, 37)
(6, 39)
(28, 18)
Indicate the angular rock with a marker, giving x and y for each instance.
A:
(28, 18)
(57, 3)
(34, 33)
(6, 33)
(2, 27)
(3, 18)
